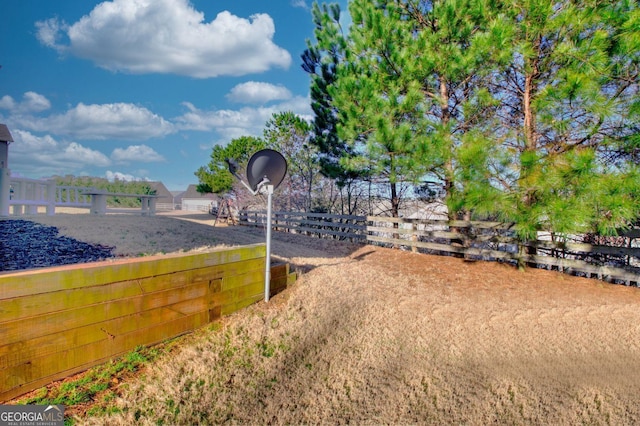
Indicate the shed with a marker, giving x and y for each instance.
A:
(5, 140)
(165, 200)
(5, 173)
(192, 200)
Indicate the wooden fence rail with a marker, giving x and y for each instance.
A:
(57, 321)
(497, 241)
(473, 240)
(321, 225)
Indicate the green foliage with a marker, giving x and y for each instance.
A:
(94, 382)
(571, 86)
(334, 155)
(413, 81)
(215, 177)
(290, 135)
(117, 186)
(571, 195)
(478, 160)
(525, 111)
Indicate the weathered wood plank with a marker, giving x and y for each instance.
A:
(279, 270)
(15, 353)
(59, 331)
(262, 213)
(15, 284)
(252, 291)
(404, 231)
(587, 248)
(29, 328)
(38, 304)
(236, 306)
(281, 223)
(295, 224)
(448, 223)
(52, 366)
(584, 267)
(327, 232)
(277, 285)
(572, 264)
(471, 251)
(238, 293)
(235, 281)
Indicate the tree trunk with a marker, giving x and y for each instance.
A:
(448, 164)
(395, 201)
(530, 134)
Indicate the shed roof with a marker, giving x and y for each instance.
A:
(192, 193)
(5, 135)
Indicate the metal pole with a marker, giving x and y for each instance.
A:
(267, 268)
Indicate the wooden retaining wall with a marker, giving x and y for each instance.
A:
(58, 321)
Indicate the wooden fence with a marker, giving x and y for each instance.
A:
(496, 241)
(473, 240)
(320, 225)
(57, 321)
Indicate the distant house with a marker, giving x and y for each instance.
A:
(165, 200)
(192, 200)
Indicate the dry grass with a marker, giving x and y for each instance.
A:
(377, 336)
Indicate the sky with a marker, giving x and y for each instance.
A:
(143, 89)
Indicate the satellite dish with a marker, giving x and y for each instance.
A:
(266, 163)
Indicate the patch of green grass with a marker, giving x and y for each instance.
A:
(94, 382)
(267, 349)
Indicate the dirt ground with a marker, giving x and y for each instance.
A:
(378, 336)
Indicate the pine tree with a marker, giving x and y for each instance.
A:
(321, 60)
(568, 100)
(411, 87)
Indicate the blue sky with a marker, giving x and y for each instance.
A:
(143, 89)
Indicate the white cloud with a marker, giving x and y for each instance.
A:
(7, 102)
(99, 122)
(27, 142)
(136, 153)
(39, 156)
(299, 3)
(255, 92)
(31, 102)
(230, 124)
(111, 176)
(49, 32)
(34, 102)
(168, 36)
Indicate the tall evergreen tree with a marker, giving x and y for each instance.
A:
(321, 60)
(568, 97)
(524, 110)
(411, 88)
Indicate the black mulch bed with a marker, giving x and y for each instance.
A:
(26, 245)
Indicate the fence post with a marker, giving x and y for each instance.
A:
(5, 190)
(18, 209)
(414, 237)
(32, 194)
(51, 198)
